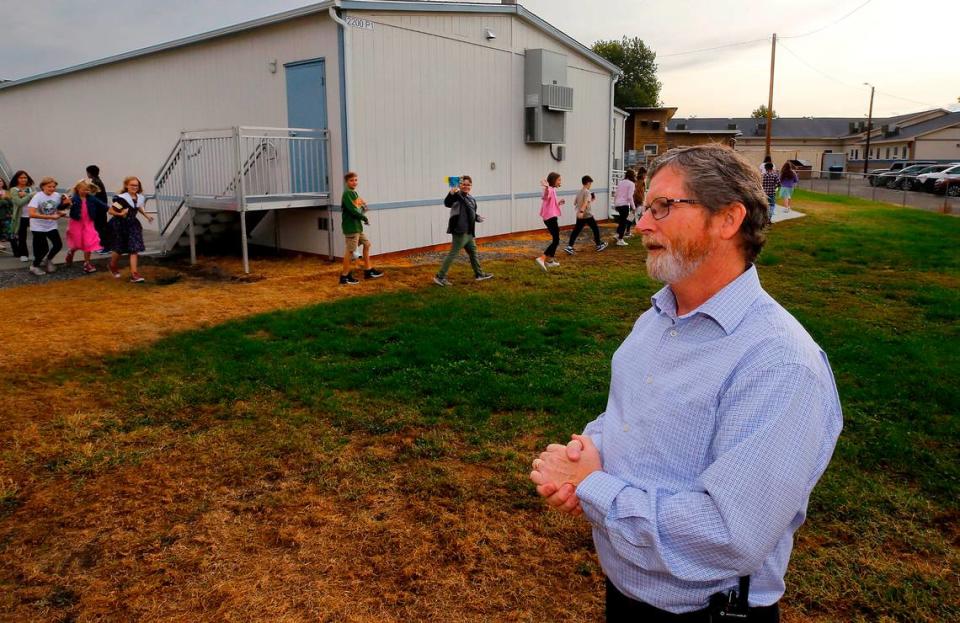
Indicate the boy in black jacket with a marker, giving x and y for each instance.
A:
(462, 226)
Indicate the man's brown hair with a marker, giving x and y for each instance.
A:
(717, 176)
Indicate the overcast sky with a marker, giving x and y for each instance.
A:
(826, 50)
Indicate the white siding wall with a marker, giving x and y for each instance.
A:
(431, 97)
(126, 116)
(941, 145)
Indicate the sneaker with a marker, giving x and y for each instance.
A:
(443, 282)
(68, 259)
(601, 246)
(136, 278)
(89, 268)
(49, 267)
(553, 263)
(114, 270)
(373, 273)
(541, 262)
(39, 272)
(628, 235)
(348, 280)
(24, 258)
(569, 250)
(622, 243)
(484, 276)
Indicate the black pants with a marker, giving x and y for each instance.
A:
(622, 609)
(40, 241)
(581, 223)
(622, 212)
(554, 226)
(20, 249)
(100, 224)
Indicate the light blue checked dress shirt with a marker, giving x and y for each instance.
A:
(718, 425)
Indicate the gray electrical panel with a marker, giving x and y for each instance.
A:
(547, 98)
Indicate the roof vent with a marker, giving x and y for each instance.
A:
(731, 126)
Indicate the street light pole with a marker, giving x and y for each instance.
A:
(866, 156)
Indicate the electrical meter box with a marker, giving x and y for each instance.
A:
(547, 98)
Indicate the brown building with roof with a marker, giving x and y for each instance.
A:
(647, 134)
(929, 135)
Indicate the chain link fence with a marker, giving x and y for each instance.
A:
(858, 185)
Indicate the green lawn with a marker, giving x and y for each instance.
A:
(476, 375)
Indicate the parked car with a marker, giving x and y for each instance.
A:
(949, 185)
(927, 180)
(907, 179)
(895, 166)
(889, 179)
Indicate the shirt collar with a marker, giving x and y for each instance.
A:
(727, 307)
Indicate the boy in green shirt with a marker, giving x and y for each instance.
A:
(353, 219)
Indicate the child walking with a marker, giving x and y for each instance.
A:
(45, 209)
(623, 204)
(462, 226)
(354, 217)
(6, 210)
(581, 204)
(788, 181)
(21, 192)
(771, 182)
(550, 213)
(85, 211)
(126, 233)
(639, 193)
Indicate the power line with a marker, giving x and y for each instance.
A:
(719, 47)
(833, 23)
(852, 86)
(822, 73)
(752, 41)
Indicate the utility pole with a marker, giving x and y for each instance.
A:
(866, 156)
(773, 63)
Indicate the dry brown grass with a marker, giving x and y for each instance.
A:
(157, 525)
(102, 522)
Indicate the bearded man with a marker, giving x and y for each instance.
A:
(722, 414)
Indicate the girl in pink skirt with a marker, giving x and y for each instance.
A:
(81, 233)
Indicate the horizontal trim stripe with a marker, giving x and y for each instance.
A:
(419, 203)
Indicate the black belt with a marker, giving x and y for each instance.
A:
(623, 609)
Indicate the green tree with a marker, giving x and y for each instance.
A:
(761, 113)
(639, 85)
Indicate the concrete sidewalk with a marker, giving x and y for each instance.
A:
(7, 262)
(785, 214)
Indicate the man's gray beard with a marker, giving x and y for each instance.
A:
(672, 266)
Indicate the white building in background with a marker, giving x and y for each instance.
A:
(409, 92)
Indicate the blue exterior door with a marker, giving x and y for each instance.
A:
(307, 108)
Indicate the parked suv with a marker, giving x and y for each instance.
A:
(890, 178)
(927, 180)
(895, 166)
(907, 179)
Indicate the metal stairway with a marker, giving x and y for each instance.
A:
(240, 169)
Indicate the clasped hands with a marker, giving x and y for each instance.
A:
(560, 468)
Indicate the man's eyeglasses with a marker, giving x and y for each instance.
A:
(659, 208)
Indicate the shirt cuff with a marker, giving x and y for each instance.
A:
(596, 493)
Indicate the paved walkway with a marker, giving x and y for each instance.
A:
(8, 262)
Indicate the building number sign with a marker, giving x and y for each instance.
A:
(358, 22)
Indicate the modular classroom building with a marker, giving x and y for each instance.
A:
(404, 93)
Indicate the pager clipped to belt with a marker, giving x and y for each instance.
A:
(734, 605)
